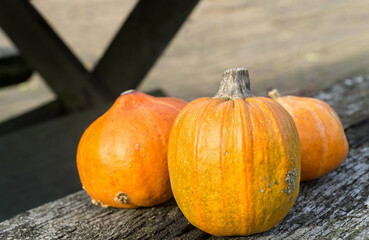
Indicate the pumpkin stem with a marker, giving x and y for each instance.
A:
(127, 92)
(274, 94)
(235, 84)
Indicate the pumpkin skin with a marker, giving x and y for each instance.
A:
(324, 146)
(122, 156)
(234, 163)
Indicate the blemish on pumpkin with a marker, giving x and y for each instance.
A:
(104, 205)
(276, 183)
(269, 185)
(226, 153)
(122, 198)
(137, 146)
(266, 179)
(96, 202)
(291, 180)
(262, 190)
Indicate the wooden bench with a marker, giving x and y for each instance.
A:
(135, 48)
(335, 206)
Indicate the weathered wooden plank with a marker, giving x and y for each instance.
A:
(141, 40)
(47, 53)
(350, 99)
(335, 206)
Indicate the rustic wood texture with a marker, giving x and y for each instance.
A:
(335, 206)
(350, 99)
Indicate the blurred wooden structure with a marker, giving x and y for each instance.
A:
(137, 45)
(30, 172)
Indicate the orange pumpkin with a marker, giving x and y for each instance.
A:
(323, 142)
(122, 156)
(234, 160)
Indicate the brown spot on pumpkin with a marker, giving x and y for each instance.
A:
(122, 198)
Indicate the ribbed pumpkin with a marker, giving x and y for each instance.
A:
(234, 160)
(323, 142)
(122, 156)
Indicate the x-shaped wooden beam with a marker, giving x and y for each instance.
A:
(138, 44)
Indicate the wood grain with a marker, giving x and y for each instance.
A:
(335, 206)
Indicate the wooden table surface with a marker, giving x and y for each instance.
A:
(333, 207)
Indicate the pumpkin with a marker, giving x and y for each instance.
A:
(323, 142)
(122, 156)
(234, 160)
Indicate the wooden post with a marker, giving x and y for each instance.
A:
(47, 53)
(141, 40)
